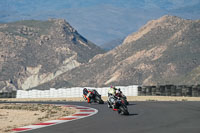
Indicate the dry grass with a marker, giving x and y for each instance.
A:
(18, 115)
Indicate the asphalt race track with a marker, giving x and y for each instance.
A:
(145, 117)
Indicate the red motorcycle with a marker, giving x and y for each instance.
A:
(95, 97)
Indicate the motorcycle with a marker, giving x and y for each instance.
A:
(122, 97)
(95, 97)
(120, 106)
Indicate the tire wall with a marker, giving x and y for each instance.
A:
(8, 94)
(170, 90)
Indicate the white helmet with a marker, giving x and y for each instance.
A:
(117, 91)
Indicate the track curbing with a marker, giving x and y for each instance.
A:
(82, 113)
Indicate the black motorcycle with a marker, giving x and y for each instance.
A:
(122, 97)
(95, 97)
(120, 106)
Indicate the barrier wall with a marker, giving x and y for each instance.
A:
(133, 90)
(8, 94)
(73, 92)
(170, 90)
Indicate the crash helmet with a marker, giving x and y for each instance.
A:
(112, 86)
(117, 91)
(84, 89)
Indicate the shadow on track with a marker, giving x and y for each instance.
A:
(132, 104)
(132, 114)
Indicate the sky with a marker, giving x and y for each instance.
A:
(99, 21)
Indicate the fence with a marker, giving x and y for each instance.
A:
(72, 92)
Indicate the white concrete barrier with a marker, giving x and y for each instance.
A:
(73, 92)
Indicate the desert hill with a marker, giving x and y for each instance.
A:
(164, 51)
(35, 52)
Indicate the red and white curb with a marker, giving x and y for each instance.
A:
(83, 112)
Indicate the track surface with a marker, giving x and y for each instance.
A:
(145, 117)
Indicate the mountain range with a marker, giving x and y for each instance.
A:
(46, 54)
(35, 52)
(164, 51)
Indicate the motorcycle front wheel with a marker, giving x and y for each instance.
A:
(99, 100)
(123, 110)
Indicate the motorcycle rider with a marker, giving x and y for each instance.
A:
(122, 96)
(118, 92)
(87, 94)
(112, 96)
(112, 91)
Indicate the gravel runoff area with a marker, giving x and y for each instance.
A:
(18, 115)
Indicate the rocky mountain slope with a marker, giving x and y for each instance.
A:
(164, 51)
(35, 52)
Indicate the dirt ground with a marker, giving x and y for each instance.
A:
(130, 98)
(18, 115)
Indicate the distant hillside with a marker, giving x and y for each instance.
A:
(112, 44)
(164, 51)
(35, 52)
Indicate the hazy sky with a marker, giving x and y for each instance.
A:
(99, 20)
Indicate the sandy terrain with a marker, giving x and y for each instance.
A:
(18, 115)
